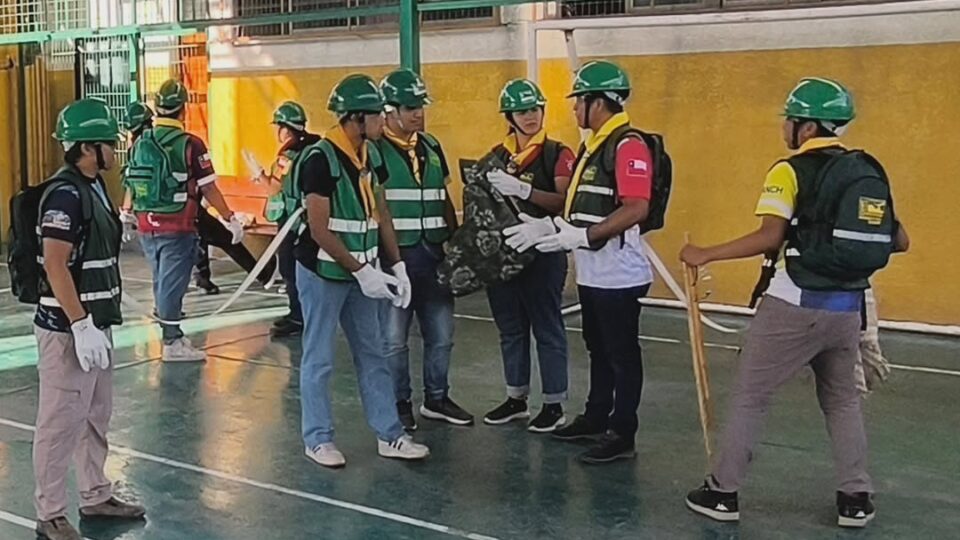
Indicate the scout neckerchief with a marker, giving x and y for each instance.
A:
(591, 145)
(519, 156)
(339, 138)
(408, 146)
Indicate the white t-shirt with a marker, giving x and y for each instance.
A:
(615, 265)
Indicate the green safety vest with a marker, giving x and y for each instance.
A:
(596, 195)
(98, 277)
(349, 221)
(286, 202)
(418, 208)
(157, 171)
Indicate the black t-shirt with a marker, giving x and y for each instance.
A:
(420, 151)
(315, 178)
(61, 218)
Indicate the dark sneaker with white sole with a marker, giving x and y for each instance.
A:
(550, 418)
(286, 327)
(854, 510)
(405, 412)
(610, 448)
(581, 429)
(508, 411)
(714, 504)
(447, 411)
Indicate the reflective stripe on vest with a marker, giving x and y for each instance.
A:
(426, 194)
(599, 190)
(87, 265)
(353, 226)
(367, 256)
(414, 224)
(588, 218)
(50, 301)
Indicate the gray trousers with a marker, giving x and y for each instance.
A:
(72, 421)
(784, 339)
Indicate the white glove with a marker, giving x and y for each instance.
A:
(376, 284)
(91, 344)
(525, 235)
(568, 238)
(404, 287)
(129, 222)
(235, 226)
(509, 185)
(256, 170)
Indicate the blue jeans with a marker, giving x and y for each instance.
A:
(171, 257)
(531, 300)
(326, 302)
(433, 306)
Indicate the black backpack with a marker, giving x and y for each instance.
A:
(662, 173)
(845, 226)
(25, 250)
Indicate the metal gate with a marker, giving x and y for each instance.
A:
(106, 72)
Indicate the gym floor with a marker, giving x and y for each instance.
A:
(213, 450)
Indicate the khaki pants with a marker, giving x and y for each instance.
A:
(72, 421)
(783, 340)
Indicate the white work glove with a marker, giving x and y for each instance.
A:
(404, 287)
(129, 222)
(376, 284)
(525, 235)
(91, 344)
(256, 170)
(509, 185)
(568, 238)
(235, 226)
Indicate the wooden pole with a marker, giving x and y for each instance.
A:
(700, 371)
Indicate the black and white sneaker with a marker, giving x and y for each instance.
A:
(854, 510)
(288, 326)
(446, 410)
(405, 412)
(581, 429)
(509, 410)
(550, 417)
(714, 504)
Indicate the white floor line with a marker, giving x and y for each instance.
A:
(370, 511)
(654, 339)
(21, 521)
(921, 369)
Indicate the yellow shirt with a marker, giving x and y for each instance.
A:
(779, 197)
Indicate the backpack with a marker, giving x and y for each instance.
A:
(662, 173)
(25, 250)
(845, 225)
(150, 176)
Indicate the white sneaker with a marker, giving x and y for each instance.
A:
(402, 448)
(326, 454)
(182, 350)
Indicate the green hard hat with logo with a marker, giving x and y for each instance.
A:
(291, 114)
(136, 115)
(521, 95)
(87, 120)
(815, 98)
(356, 93)
(404, 87)
(171, 97)
(600, 76)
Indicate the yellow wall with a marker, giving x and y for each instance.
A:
(718, 112)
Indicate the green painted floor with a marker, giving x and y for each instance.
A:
(214, 451)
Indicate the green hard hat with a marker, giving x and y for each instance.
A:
(291, 113)
(136, 115)
(521, 95)
(599, 76)
(171, 97)
(87, 120)
(820, 99)
(356, 93)
(404, 87)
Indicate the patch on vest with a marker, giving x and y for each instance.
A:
(872, 210)
(589, 174)
(435, 160)
(527, 177)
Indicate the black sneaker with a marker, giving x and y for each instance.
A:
(580, 429)
(714, 504)
(448, 411)
(610, 448)
(405, 412)
(854, 510)
(511, 409)
(551, 416)
(209, 288)
(290, 327)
